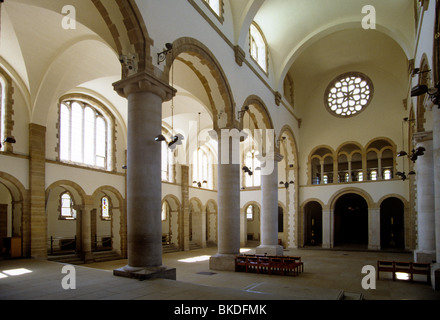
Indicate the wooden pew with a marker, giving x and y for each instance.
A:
(411, 268)
(269, 264)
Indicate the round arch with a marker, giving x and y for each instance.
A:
(118, 221)
(311, 222)
(19, 210)
(220, 96)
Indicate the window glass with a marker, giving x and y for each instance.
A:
(258, 47)
(84, 134)
(250, 212)
(105, 209)
(349, 94)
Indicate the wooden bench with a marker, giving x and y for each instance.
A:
(284, 265)
(410, 268)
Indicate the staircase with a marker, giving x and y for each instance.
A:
(67, 258)
(168, 248)
(101, 256)
(350, 296)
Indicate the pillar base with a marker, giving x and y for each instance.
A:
(222, 262)
(146, 273)
(88, 257)
(435, 276)
(275, 250)
(424, 256)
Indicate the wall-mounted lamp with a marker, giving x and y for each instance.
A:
(286, 184)
(433, 93)
(403, 176)
(247, 170)
(241, 113)
(417, 71)
(199, 184)
(161, 56)
(9, 140)
(177, 140)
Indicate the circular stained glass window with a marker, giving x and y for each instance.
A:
(348, 94)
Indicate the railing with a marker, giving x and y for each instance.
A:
(62, 244)
(57, 245)
(101, 243)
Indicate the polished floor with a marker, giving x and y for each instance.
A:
(327, 274)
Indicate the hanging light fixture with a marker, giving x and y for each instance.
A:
(415, 153)
(204, 182)
(176, 138)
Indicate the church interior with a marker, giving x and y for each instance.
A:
(137, 134)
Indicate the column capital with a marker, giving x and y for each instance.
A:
(422, 136)
(144, 82)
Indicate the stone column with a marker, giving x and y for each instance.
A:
(436, 160)
(86, 232)
(269, 211)
(327, 228)
(184, 219)
(425, 199)
(374, 229)
(145, 94)
(37, 191)
(228, 201)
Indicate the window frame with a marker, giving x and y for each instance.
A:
(252, 213)
(100, 111)
(73, 212)
(264, 68)
(220, 14)
(109, 217)
(338, 79)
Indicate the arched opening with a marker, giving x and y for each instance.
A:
(351, 221)
(313, 224)
(10, 224)
(253, 222)
(392, 231)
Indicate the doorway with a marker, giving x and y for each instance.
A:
(351, 221)
(392, 224)
(313, 224)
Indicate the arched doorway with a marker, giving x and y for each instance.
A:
(313, 224)
(392, 231)
(351, 221)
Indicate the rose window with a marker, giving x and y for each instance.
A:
(349, 94)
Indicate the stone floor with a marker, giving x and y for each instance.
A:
(327, 273)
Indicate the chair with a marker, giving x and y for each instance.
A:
(264, 264)
(240, 263)
(252, 264)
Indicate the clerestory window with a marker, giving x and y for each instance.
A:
(258, 46)
(85, 134)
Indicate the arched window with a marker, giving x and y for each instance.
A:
(325, 179)
(215, 6)
(360, 176)
(258, 47)
(250, 212)
(202, 169)
(164, 214)
(387, 174)
(105, 208)
(373, 175)
(253, 164)
(85, 135)
(67, 211)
